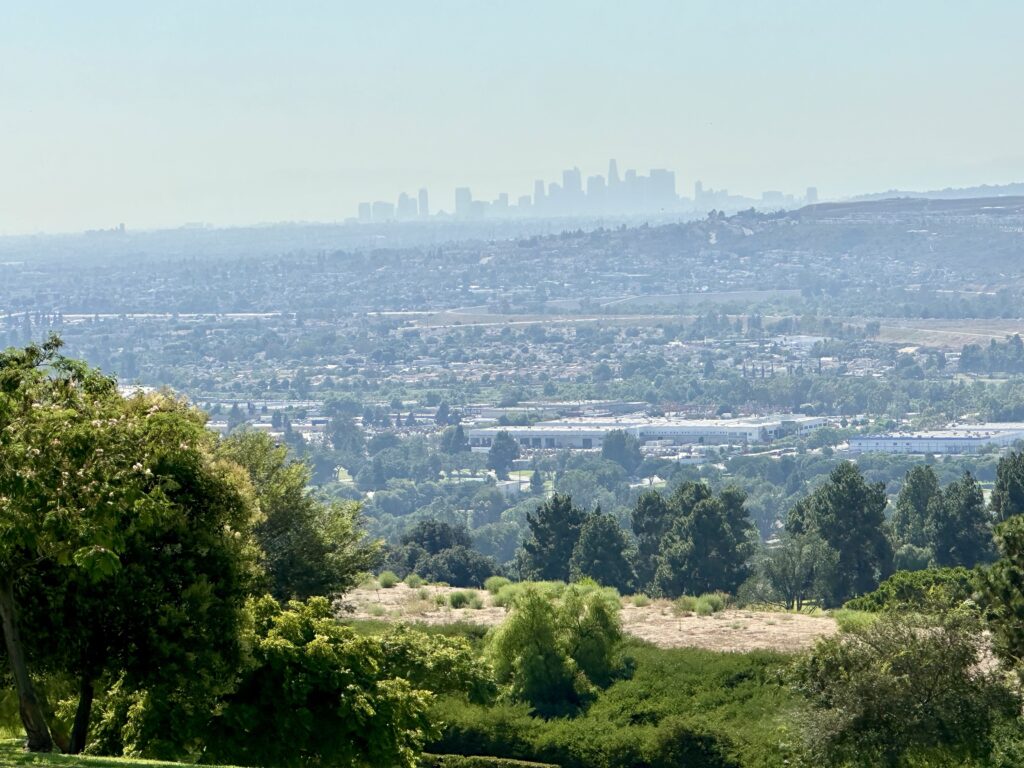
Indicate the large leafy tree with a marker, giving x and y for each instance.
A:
(503, 451)
(436, 535)
(311, 548)
(795, 569)
(440, 551)
(622, 448)
(61, 489)
(554, 530)
(848, 513)
(125, 546)
(459, 566)
(166, 623)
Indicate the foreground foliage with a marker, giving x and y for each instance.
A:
(315, 692)
(125, 544)
(555, 656)
(680, 707)
(898, 692)
(934, 591)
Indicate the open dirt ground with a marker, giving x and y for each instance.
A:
(657, 623)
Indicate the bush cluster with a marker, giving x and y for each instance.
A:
(929, 591)
(464, 599)
(704, 605)
(508, 593)
(681, 707)
(476, 761)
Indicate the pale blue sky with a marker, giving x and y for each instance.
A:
(242, 112)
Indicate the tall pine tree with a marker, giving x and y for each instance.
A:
(554, 530)
(848, 513)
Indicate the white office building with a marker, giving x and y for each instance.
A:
(589, 433)
(953, 440)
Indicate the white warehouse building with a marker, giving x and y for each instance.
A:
(954, 440)
(588, 433)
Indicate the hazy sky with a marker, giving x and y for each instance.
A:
(243, 112)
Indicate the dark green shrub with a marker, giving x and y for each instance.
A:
(476, 761)
(678, 743)
(714, 709)
(503, 730)
(904, 692)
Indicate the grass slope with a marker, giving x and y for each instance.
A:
(13, 755)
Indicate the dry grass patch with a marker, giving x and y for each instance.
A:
(656, 622)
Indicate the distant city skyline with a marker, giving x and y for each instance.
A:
(237, 113)
(632, 193)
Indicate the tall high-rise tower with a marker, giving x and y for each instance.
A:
(424, 204)
(613, 173)
(572, 182)
(463, 202)
(538, 194)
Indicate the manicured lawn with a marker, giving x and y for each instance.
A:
(13, 754)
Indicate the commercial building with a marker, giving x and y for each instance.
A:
(953, 440)
(589, 433)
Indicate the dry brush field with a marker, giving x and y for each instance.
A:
(735, 630)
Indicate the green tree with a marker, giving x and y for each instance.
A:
(796, 569)
(651, 520)
(930, 591)
(848, 514)
(459, 566)
(503, 451)
(125, 547)
(554, 530)
(317, 693)
(920, 489)
(311, 548)
(555, 657)
(959, 528)
(1003, 586)
(529, 656)
(165, 625)
(1008, 494)
(453, 440)
(442, 415)
(622, 448)
(435, 536)
(592, 631)
(603, 553)
(536, 483)
(898, 693)
(347, 439)
(710, 543)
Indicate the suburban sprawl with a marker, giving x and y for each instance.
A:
(728, 491)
